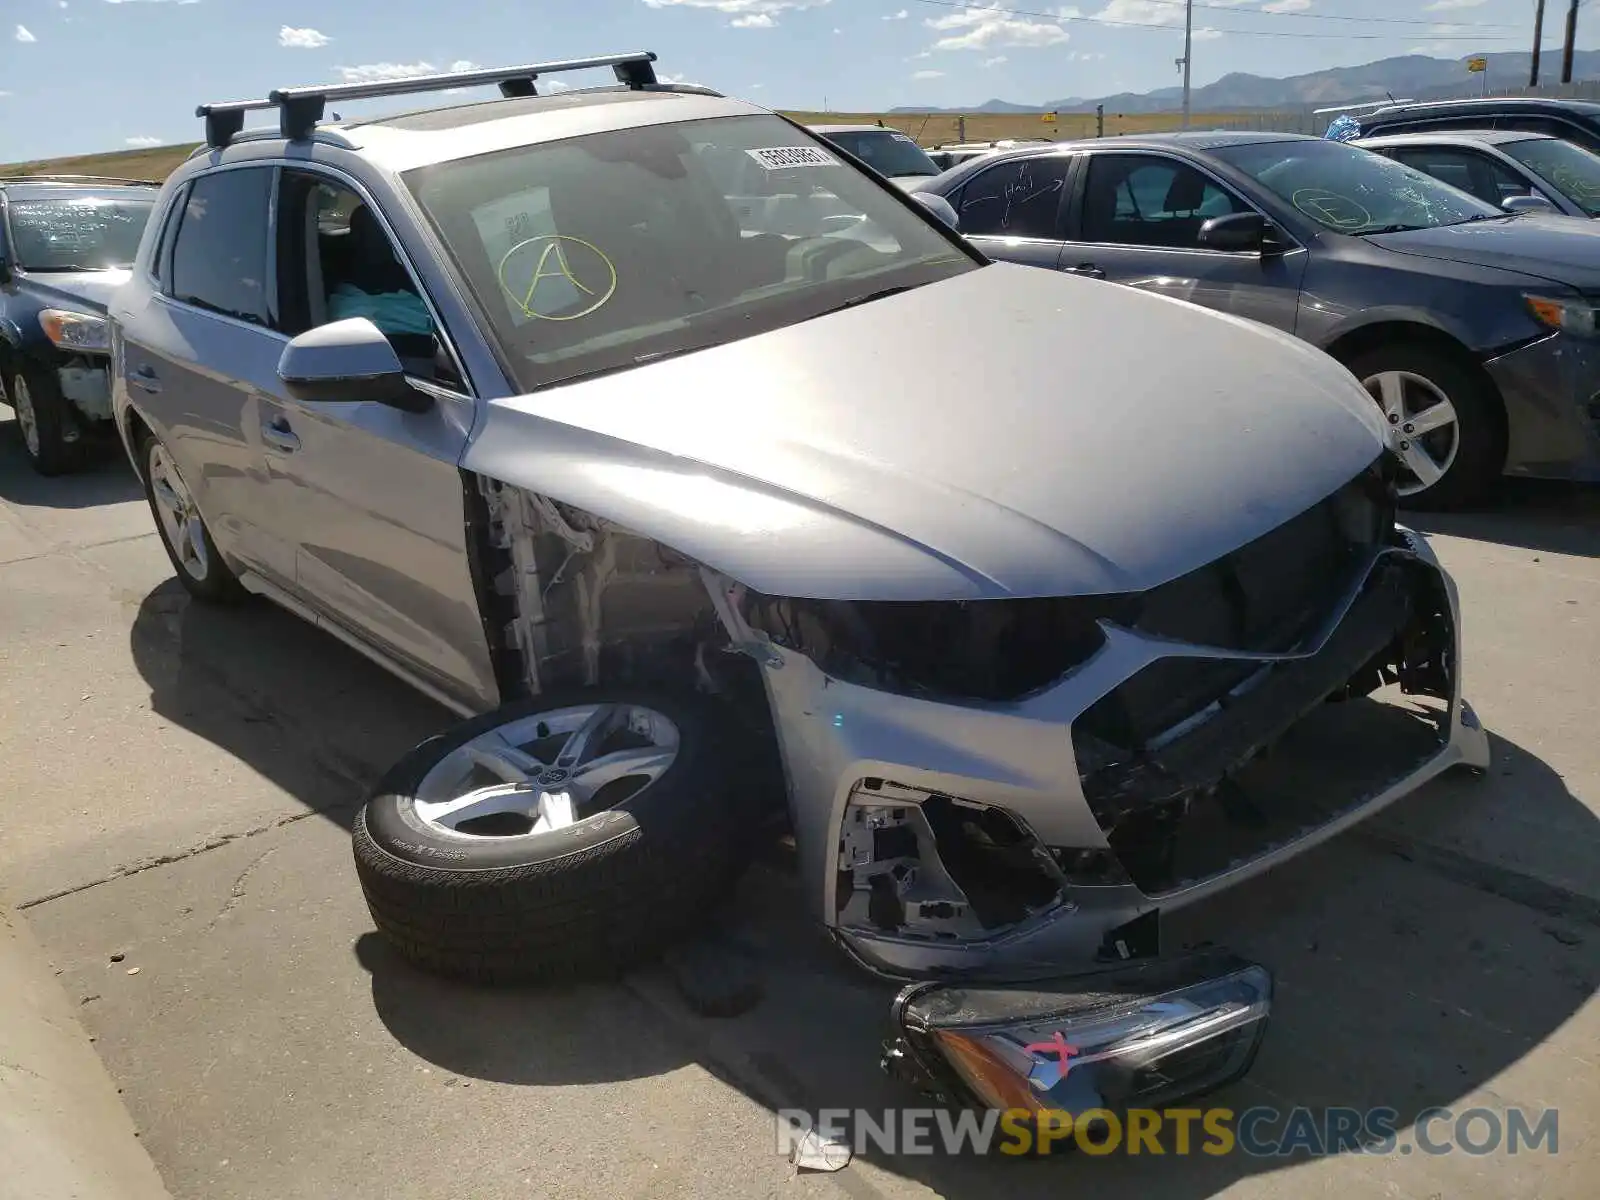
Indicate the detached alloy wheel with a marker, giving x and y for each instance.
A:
(183, 532)
(1444, 424)
(567, 837)
(44, 422)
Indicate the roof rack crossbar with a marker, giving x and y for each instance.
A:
(225, 120)
(300, 108)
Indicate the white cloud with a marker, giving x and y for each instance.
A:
(551, 86)
(994, 27)
(745, 12)
(896, 16)
(995, 61)
(836, 29)
(927, 74)
(22, 34)
(756, 87)
(1286, 6)
(375, 72)
(1141, 12)
(1206, 34)
(302, 39)
(142, 143)
(149, 2)
(1447, 5)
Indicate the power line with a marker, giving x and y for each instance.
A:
(1242, 11)
(1059, 19)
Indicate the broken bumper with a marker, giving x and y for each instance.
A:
(87, 385)
(880, 784)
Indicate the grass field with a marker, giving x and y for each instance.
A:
(929, 130)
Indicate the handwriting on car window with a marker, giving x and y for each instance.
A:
(1016, 194)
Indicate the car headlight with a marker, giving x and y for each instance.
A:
(74, 330)
(1568, 315)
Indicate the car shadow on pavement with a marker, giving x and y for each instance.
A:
(1402, 983)
(107, 479)
(1534, 514)
(293, 703)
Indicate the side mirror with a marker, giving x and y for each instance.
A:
(347, 360)
(1532, 202)
(939, 207)
(1235, 231)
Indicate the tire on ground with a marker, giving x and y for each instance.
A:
(1480, 419)
(602, 895)
(220, 585)
(57, 454)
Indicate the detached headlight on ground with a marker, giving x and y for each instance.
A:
(73, 330)
(1570, 315)
(1136, 1036)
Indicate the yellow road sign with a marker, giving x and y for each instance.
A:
(1049, 118)
(1477, 64)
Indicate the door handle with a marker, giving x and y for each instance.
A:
(1086, 268)
(276, 432)
(144, 378)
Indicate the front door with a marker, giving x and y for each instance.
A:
(1012, 210)
(368, 498)
(1138, 223)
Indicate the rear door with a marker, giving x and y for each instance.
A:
(1013, 209)
(1136, 217)
(200, 352)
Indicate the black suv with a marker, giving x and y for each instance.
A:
(66, 243)
(1576, 121)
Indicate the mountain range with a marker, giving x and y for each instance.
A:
(1408, 76)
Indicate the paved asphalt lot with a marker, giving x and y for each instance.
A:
(177, 790)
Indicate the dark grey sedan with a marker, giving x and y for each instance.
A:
(1502, 166)
(1474, 329)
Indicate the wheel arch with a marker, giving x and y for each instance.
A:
(134, 430)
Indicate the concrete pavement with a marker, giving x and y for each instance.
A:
(177, 790)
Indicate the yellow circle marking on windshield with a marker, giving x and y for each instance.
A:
(554, 263)
(1322, 205)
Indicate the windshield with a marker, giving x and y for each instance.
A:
(77, 234)
(886, 151)
(599, 252)
(1571, 170)
(1351, 190)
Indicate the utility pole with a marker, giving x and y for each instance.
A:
(1538, 36)
(1188, 24)
(1572, 34)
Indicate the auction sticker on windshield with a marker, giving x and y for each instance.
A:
(781, 158)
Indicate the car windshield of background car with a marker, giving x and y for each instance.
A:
(886, 151)
(1352, 190)
(1571, 170)
(600, 252)
(77, 234)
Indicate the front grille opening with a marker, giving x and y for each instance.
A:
(1259, 762)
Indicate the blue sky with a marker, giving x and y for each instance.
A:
(87, 75)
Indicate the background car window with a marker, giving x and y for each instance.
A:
(336, 260)
(1468, 170)
(1017, 198)
(887, 151)
(77, 234)
(596, 252)
(1141, 200)
(1570, 169)
(219, 260)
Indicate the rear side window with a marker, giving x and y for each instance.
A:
(169, 226)
(219, 259)
(1016, 198)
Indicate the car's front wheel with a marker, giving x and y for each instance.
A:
(53, 443)
(1445, 423)
(183, 532)
(566, 837)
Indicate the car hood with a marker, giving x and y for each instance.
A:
(85, 291)
(1552, 247)
(1083, 438)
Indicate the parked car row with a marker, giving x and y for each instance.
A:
(588, 417)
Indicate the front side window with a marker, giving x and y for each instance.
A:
(219, 256)
(1020, 197)
(1349, 189)
(1149, 200)
(886, 151)
(75, 233)
(1471, 171)
(606, 250)
(336, 261)
(1571, 170)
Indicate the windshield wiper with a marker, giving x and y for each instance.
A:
(880, 294)
(63, 268)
